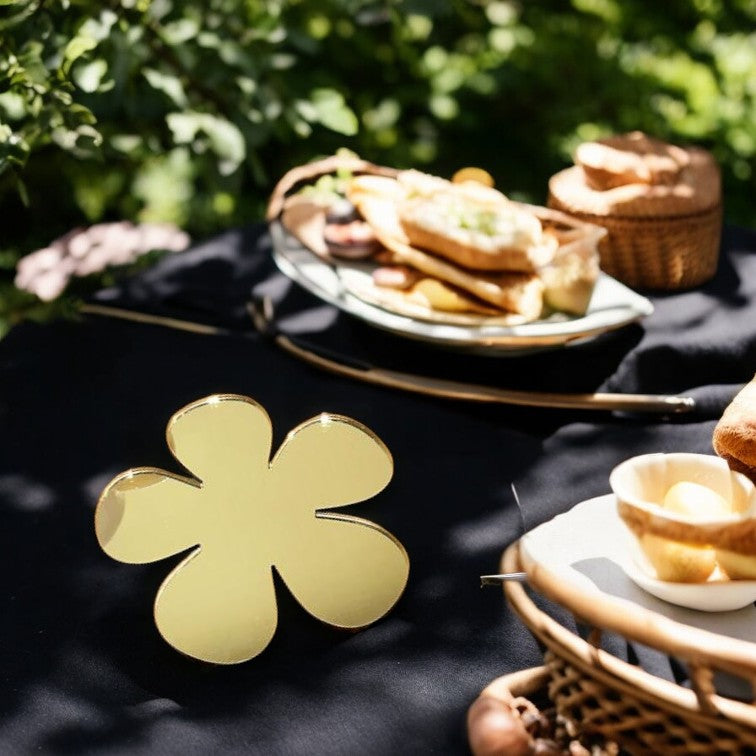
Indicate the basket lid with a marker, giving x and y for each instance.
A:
(619, 180)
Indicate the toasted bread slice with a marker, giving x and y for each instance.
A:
(478, 235)
(469, 224)
(427, 299)
(511, 291)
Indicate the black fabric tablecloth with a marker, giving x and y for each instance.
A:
(82, 666)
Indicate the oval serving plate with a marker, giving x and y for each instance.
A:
(612, 306)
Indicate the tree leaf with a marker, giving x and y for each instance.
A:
(24, 9)
(184, 126)
(88, 76)
(225, 139)
(77, 47)
(227, 143)
(14, 150)
(168, 84)
(99, 28)
(180, 31)
(333, 112)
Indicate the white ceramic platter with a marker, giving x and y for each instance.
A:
(612, 306)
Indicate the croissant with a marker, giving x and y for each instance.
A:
(735, 434)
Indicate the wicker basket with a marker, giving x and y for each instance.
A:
(672, 252)
(606, 696)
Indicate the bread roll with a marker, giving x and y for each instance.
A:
(735, 434)
(633, 158)
(695, 189)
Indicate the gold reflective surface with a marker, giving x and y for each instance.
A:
(244, 513)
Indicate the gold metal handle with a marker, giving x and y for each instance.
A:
(419, 384)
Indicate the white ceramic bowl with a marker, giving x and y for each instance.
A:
(640, 485)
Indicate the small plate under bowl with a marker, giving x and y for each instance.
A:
(718, 594)
(613, 564)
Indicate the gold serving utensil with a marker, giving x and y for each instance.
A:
(108, 311)
(261, 312)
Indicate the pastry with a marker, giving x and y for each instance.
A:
(346, 234)
(640, 187)
(734, 436)
(633, 158)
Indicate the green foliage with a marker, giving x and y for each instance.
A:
(189, 110)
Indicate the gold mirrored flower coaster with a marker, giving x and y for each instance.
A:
(245, 512)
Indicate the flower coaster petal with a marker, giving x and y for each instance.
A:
(330, 461)
(212, 610)
(345, 571)
(147, 514)
(220, 436)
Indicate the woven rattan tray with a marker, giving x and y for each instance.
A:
(607, 696)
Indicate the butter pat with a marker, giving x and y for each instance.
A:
(695, 501)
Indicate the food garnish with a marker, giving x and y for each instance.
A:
(472, 173)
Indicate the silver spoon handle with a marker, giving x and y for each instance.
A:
(517, 577)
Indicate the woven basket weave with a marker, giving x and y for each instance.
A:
(604, 695)
(666, 253)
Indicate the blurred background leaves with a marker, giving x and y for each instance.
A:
(188, 111)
